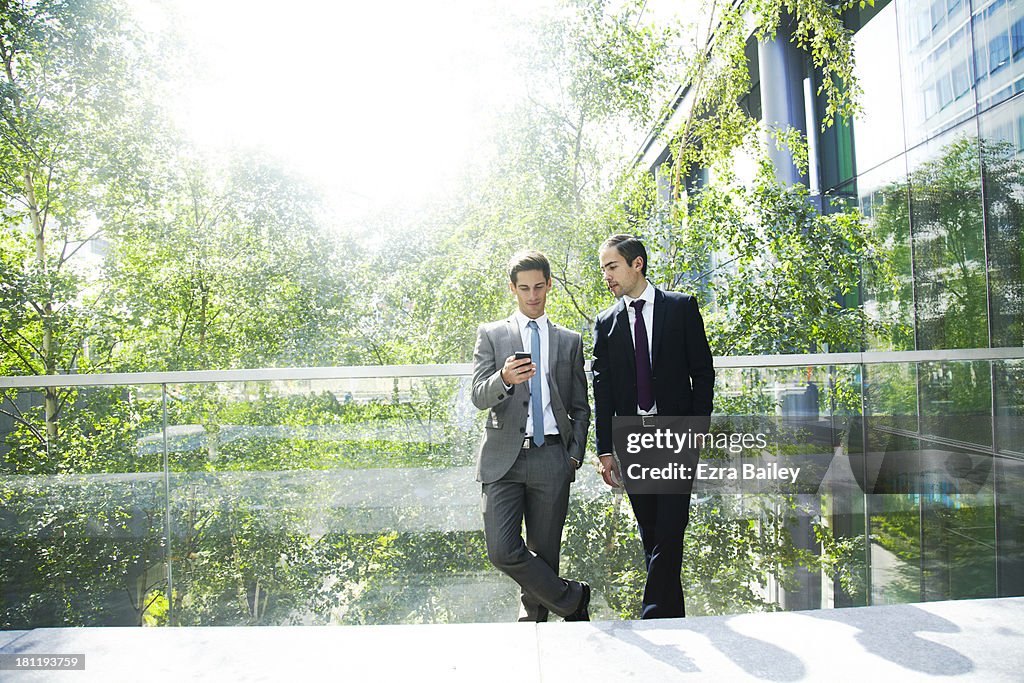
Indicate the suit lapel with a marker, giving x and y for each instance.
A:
(554, 342)
(659, 325)
(623, 342)
(515, 337)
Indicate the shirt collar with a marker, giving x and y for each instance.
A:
(647, 296)
(523, 321)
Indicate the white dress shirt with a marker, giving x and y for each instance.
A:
(648, 312)
(550, 426)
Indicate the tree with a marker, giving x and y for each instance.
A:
(73, 102)
(234, 267)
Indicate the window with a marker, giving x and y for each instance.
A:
(938, 13)
(1018, 38)
(961, 80)
(945, 91)
(998, 52)
(981, 62)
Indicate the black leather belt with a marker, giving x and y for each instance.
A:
(548, 440)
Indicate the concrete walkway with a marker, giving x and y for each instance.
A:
(969, 640)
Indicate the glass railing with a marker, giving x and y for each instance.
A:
(348, 495)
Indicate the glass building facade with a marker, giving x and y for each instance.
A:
(935, 162)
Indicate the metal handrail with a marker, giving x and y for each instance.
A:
(466, 369)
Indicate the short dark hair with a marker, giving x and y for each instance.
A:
(629, 247)
(528, 259)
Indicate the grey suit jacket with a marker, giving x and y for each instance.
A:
(505, 428)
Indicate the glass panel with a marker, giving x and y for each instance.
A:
(930, 500)
(81, 508)
(949, 254)
(957, 512)
(1010, 525)
(958, 545)
(879, 130)
(355, 501)
(1002, 147)
(792, 551)
(956, 401)
(329, 502)
(1009, 407)
(936, 59)
(998, 49)
(894, 527)
(884, 199)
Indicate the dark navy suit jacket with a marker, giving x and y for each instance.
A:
(681, 363)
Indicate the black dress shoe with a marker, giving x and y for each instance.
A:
(582, 612)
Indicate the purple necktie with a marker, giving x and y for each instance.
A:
(644, 383)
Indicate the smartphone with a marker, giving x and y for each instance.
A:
(520, 355)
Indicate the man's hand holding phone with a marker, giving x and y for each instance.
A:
(518, 368)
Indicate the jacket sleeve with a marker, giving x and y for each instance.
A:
(488, 387)
(579, 409)
(702, 365)
(604, 408)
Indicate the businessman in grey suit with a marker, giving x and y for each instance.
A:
(534, 440)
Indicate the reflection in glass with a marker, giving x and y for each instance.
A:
(894, 526)
(998, 49)
(879, 129)
(81, 508)
(328, 502)
(1010, 525)
(958, 546)
(956, 401)
(1002, 151)
(884, 200)
(949, 254)
(936, 63)
(1009, 406)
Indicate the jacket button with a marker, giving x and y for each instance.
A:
(501, 396)
(526, 403)
(522, 430)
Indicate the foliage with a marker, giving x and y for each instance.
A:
(233, 267)
(231, 262)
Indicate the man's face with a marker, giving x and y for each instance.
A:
(531, 290)
(621, 277)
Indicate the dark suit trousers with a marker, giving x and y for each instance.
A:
(536, 489)
(662, 519)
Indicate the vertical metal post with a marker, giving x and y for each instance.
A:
(167, 515)
(868, 587)
(997, 528)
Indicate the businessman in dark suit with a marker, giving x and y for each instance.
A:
(651, 357)
(535, 436)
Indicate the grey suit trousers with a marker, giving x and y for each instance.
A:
(535, 489)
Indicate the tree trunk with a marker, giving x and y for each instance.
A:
(49, 359)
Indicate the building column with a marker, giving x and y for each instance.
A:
(781, 64)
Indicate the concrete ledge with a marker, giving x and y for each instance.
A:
(969, 640)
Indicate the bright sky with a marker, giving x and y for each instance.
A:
(381, 103)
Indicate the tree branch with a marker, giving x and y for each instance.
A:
(33, 346)
(562, 280)
(24, 361)
(82, 243)
(20, 418)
